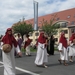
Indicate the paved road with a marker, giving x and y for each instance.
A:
(26, 66)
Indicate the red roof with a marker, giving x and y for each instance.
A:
(66, 15)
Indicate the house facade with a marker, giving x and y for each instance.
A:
(65, 18)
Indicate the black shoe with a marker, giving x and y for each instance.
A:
(29, 55)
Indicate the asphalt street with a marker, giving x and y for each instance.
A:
(25, 66)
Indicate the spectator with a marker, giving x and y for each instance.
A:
(19, 40)
(52, 42)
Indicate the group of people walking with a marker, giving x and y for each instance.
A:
(24, 43)
(66, 49)
(41, 58)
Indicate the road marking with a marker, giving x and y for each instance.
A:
(1, 66)
(1, 62)
(23, 70)
(26, 71)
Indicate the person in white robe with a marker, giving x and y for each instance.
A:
(41, 57)
(1, 46)
(27, 44)
(62, 47)
(72, 47)
(8, 58)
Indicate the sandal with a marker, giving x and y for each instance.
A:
(71, 60)
(66, 64)
(45, 66)
(59, 61)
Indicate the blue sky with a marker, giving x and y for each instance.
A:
(12, 11)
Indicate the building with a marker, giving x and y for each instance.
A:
(65, 18)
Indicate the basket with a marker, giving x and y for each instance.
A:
(6, 48)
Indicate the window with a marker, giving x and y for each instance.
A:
(58, 25)
(57, 19)
(72, 23)
(72, 30)
(36, 34)
(30, 34)
(65, 31)
(68, 16)
(74, 15)
(35, 39)
(63, 25)
(56, 39)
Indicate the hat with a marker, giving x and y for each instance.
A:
(6, 48)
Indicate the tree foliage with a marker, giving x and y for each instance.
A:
(22, 28)
(50, 27)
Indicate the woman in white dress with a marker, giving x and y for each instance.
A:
(63, 49)
(72, 47)
(41, 57)
(8, 58)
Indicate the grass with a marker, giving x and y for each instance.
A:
(56, 49)
(33, 49)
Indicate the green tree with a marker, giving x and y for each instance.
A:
(22, 28)
(50, 27)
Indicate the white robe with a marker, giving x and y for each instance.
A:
(28, 50)
(9, 61)
(41, 56)
(72, 50)
(64, 53)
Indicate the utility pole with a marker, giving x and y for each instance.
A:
(35, 15)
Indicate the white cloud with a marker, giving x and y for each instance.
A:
(12, 11)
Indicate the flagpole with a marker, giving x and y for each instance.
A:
(35, 15)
